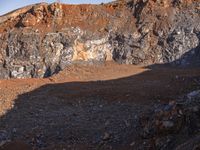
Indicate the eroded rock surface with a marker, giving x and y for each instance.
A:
(43, 39)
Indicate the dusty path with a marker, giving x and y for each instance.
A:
(87, 107)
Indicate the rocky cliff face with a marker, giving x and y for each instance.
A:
(40, 40)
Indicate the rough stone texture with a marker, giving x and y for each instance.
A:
(27, 55)
(43, 39)
(168, 124)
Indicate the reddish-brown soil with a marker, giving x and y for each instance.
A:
(93, 18)
(85, 104)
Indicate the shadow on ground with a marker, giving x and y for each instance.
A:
(92, 115)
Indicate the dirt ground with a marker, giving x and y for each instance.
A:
(86, 106)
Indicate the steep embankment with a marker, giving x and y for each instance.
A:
(40, 40)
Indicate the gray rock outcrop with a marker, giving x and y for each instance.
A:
(45, 39)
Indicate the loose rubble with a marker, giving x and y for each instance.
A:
(174, 124)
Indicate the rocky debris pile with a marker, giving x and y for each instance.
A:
(46, 38)
(173, 125)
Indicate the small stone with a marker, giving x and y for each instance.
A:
(168, 124)
(100, 106)
(132, 144)
(127, 123)
(106, 136)
(14, 130)
(193, 94)
(2, 143)
(107, 123)
(180, 112)
(195, 109)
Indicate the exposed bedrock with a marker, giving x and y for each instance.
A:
(41, 40)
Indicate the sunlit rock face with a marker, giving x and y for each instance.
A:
(41, 40)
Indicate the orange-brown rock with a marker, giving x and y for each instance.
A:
(29, 20)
